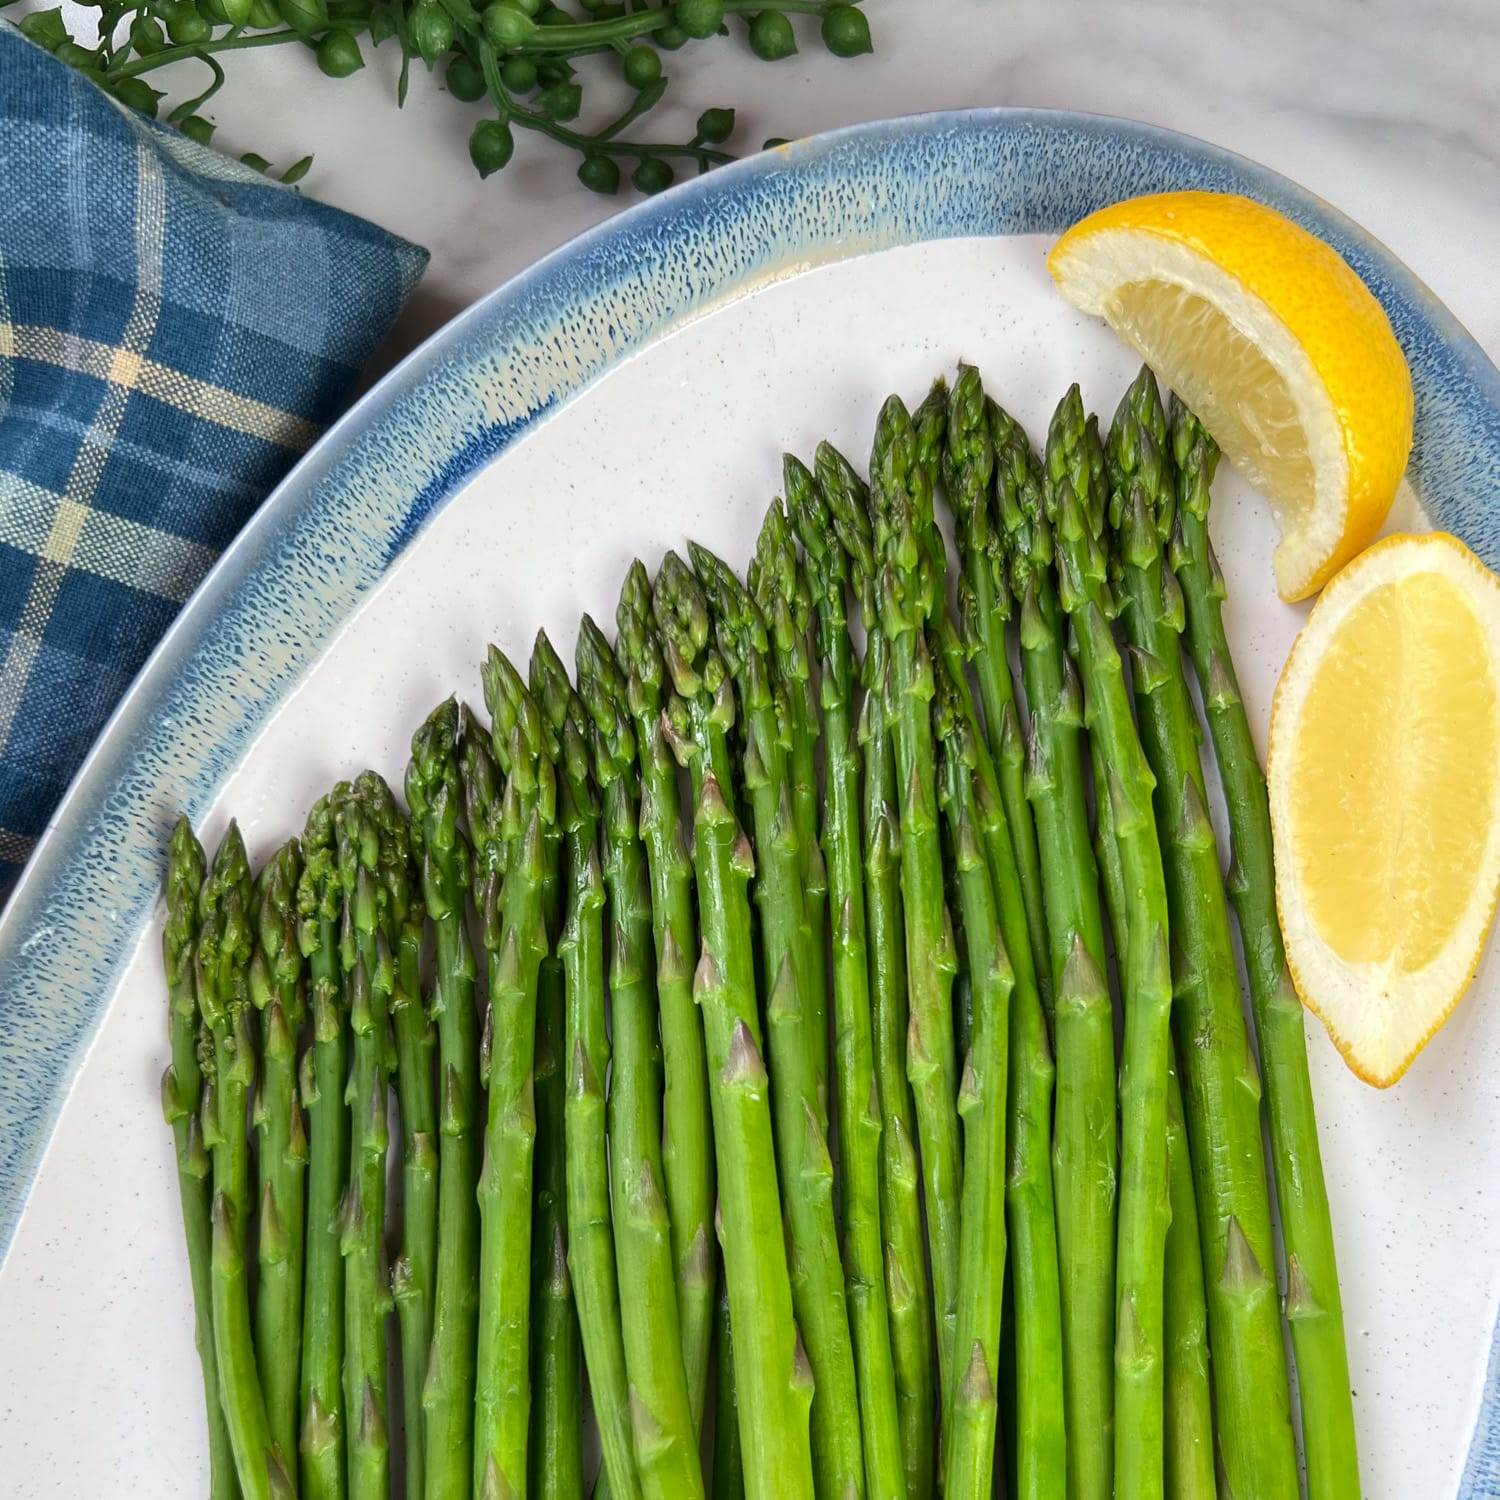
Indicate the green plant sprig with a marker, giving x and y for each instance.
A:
(517, 55)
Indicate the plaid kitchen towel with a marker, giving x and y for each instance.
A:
(174, 330)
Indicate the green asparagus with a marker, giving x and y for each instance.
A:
(434, 793)
(1084, 1145)
(904, 593)
(324, 1067)
(968, 1456)
(1222, 1089)
(687, 1135)
(729, 1473)
(222, 965)
(908, 1291)
(1313, 1307)
(859, 1116)
(181, 1092)
(370, 977)
(771, 1374)
(1075, 505)
(666, 1439)
(1188, 1464)
(513, 924)
(276, 989)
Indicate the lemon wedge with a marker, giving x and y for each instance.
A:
(1384, 771)
(1268, 335)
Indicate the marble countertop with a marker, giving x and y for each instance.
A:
(1387, 109)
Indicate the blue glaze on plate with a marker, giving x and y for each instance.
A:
(344, 516)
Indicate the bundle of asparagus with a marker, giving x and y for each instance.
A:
(799, 1037)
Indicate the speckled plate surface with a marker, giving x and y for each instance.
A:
(634, 388)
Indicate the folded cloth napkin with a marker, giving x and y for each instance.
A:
(174, 330)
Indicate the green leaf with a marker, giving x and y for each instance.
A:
(256, 160)
(297, 171)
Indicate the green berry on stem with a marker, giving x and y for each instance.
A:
(560, 101)
(553, 72)
(700, 18)
(490, 146)
(306, 16)
(138, 94)
(339, 55)
(652, 175)
(432, 30)
(642, 66)
(186, 26)
(76, 56)
(518, 74)
(527, 7)
(715, 125)
(146, 35)
(508, 26)
(599, 174)
(196, 128)
(846, 32)
(465, 80)
(772, 37)
(263, 16)
(45, 28)
(670, 38)
(551, 15)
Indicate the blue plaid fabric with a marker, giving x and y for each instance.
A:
(174, 330)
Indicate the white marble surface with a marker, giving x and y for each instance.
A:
(1390, 109)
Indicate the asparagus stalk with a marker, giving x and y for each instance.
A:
(512, 918)
(1252, 1400)
(434, 794)
(787, 962)
(1188, 1462)
(1074, 498)
(970, 1427)
(1313, 1307)
(777, 583)
(687, 1138)
(666, 1439)
(728, 1472)
(1084, 1145)
(369, 976)
(908, 1290)
(556, 1448)
(181, 1091)
(905, 591)
(984, 607)
(324, 1065)
(771, 1374)
(222, 963)
(859, 1115)
(277, 991)
(414, 1272)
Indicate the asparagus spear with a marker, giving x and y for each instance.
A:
(908, 1290)
(1084, 1145)
(222, 962)
(1074, 498)
(181, 1091)
(413, 1274)
(513, 922)
(905, 592)
(858, 1097)
(1313, 1307)
(970, 1426)
(729, 1473)
(984, 607)
(771, 1373)
(1188, 1461)
(666, 1440)
(687, 1138)
(434, 794)
(777, 583)
(369, 976)
(1252, 1401)
(787, 962)
(556, 1449)
(319, 905)
(277, 992)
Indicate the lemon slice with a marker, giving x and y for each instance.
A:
(1266, 333)
(1384, 771)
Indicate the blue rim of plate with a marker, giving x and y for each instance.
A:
(345, 514)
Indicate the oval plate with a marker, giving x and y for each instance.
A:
(308, 651)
